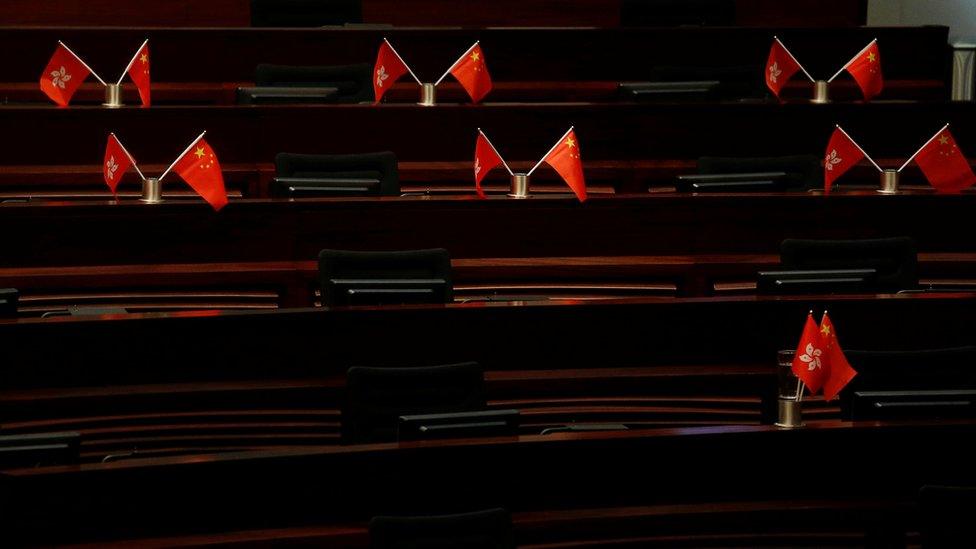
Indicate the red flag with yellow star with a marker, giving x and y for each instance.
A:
(838, 372)
(944, 165)
(808, 360)
(199, 167)
(139, 73)
(866, 70)
(565, 159)
(472, 73)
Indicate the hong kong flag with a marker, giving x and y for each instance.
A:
(780, 67)
(139, 72)
(838, 372)
(199, 167)
(63, 75)
(944, 165)
(808, 361)
(842, 154)
(565, 159)
(388, 69)
(866, 70)
(486, 158)
(472, 73)
(117, 162)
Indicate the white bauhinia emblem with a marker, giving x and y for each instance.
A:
(477, 166)
(811, 357)
(381, 75)
(110, 167)
(59, 77)
(831, 160)
(774, 71)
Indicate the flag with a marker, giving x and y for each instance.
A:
(842, 155)
(485, 159)
(389, 68)
(63, 75)
(780, 67)
(944, 165)
(808, 360)
(866, 70)
(838, 371)
(139, 73)
(117, 162)
(565, 159)
(472, 73)
(199, 167)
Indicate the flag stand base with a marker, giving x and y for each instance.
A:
(428, 95)
(889, 182)
(820, 94)
(789, 414)
(113, 96)
(520, 186)
(152, 190)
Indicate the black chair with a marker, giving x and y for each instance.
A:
(670, 13)
(490, 529)
(8, 301)
(802, 171)
(305, 13)
(947, 516)
(371, 174)
(32, 450)
(353, 83)
(377, 397)
(340, 271)
(894, 259)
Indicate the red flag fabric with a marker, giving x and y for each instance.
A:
(866, 70)
(565, 159)
(808, 360)
(117, 162)
(842, 155)
(944, 165)
(389, 68)
(139, 73)
(199, 167)
(473, 75)
(63, 75)
(780, 67)
(838, 371)
(485, 160)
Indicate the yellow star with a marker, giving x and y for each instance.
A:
(475, 56)
(871, 57)
(825, 329)
(944, 139)
(199, 152)
(144, 58)
(570, 143)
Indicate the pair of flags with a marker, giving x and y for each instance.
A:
(865, 68)
(65, 73)
(819, 361)
(940, 159)
(564, 157)
(198, 166)
(469, 70)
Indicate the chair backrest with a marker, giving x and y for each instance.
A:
(377, 397)
(947, 516)
(489, 529)
(380, 166)
(353, 82)
(895, 259)
(305, 13)
(802, 171)
(405, 265)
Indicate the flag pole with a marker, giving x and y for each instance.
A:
(492, 145)
(788, 52)
(912, 157)
(199, 137)
(848, 64)
(866, 155)
(129, 66)
(449, 69)
(82, 61)
(558, 141)
(419, 83)
(126, 151)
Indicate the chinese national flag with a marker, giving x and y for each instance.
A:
(117, 162)
(199, 167)
(485, 160)
(944, 165)
(389, 68)
(842, 155)
(565, 159)
(866, 70)
(780, 67)
(472, 73)
(808, 361)
(838, 371)
(139, 73)
(63, 75)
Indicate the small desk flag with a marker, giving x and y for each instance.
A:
(842, 155)
(866, 70)
(199, 167)
(63, 75)
(565, 159)
(117, 162)
(139, 73)
(388, 69)
(780, 67)
(838, 371)
(944, 165)
(486, 158)
(472, 73)
(808, 362)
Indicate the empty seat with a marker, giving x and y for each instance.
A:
(305, 13)
(336, 174)
(353, 83)
(895, 259)
(802, 171)
(377, 397)
(409, 276)
(490, 529)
